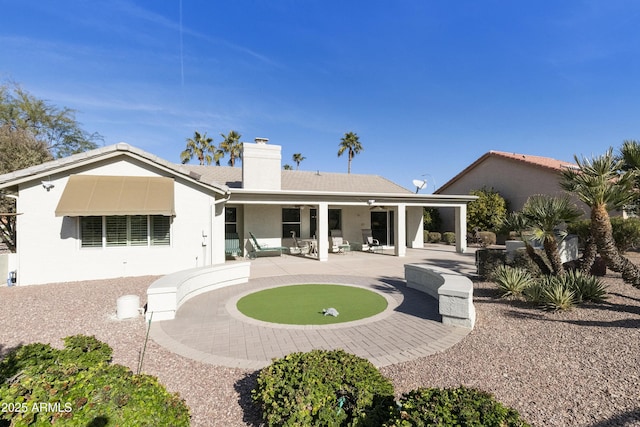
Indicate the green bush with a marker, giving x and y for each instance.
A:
(626, 232)
(323, 388)
(431, 218)
(487, 212)
(449, 237)
(557, 295)
(453, 407)
(76, 386)
(521, 259)
(434, 237)
(512, 281)
(487, 260)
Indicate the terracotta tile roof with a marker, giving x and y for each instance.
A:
(545, 162)
(537, 161)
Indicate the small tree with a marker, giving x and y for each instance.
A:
(431, 219)
(487, 212)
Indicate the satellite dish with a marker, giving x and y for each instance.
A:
(420, 184)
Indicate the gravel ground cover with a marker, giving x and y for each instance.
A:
(576, 368)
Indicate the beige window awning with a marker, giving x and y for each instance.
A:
(89, 195)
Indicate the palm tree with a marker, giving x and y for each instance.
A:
(545, 214)
(600, 183)
(351, 144)
(287, 167)
(231, 144)
(298, 157)
(200, 146)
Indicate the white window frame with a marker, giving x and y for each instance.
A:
(129, 232)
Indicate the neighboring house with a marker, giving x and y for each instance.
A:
(118, 211)
(515, 176)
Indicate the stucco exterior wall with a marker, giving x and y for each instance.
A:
(49, 249)
(515, 181)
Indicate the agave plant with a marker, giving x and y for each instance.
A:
(557, 295)
(512, 281)
(587, 287)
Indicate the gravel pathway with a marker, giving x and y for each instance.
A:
(576, 368)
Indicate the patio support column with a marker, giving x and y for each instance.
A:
(400, 230)
(323, 231)
(461, 228)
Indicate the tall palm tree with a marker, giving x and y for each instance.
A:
(600, 184)
(231, 145)
(545, 215)
(201, 147)
(298, 157)
(351, 144)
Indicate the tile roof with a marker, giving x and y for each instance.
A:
(296, 180)
(537, 161)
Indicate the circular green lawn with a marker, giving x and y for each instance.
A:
(303, 304)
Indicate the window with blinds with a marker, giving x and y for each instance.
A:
(129, 230)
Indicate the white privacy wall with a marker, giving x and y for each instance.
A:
(49, 247)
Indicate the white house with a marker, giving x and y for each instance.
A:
(119, 211)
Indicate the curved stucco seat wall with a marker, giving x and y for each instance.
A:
(453, 291)
(168, 293)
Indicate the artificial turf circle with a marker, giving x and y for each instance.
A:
(303, 304)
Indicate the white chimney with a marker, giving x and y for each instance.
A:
(261, 165)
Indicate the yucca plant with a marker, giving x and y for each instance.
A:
(512, 281)
(535, 292)
(587, 287)
(558, 295)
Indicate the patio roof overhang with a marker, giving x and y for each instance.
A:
(239, 196)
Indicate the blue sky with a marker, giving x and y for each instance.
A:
(429, 86)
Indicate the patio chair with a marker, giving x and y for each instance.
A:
(258, 248)
(338, 244)
(369, 244)
(298, 248)
(231, 244)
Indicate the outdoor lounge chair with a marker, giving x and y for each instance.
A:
(258, 248)
(369, 244)
(231, 244)
(338, 244)
(298, 248)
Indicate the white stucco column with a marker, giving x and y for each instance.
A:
(400, 230)
(415, 227)
(216, 236)
(461, 228)
(323, 231)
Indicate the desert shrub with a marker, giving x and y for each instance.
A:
(487, 260)
(449, 237)
(323, 388)
(512, 281)
(434, 237)
(79, 387)
(459, 406)
(586, 287)
(487, 238)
